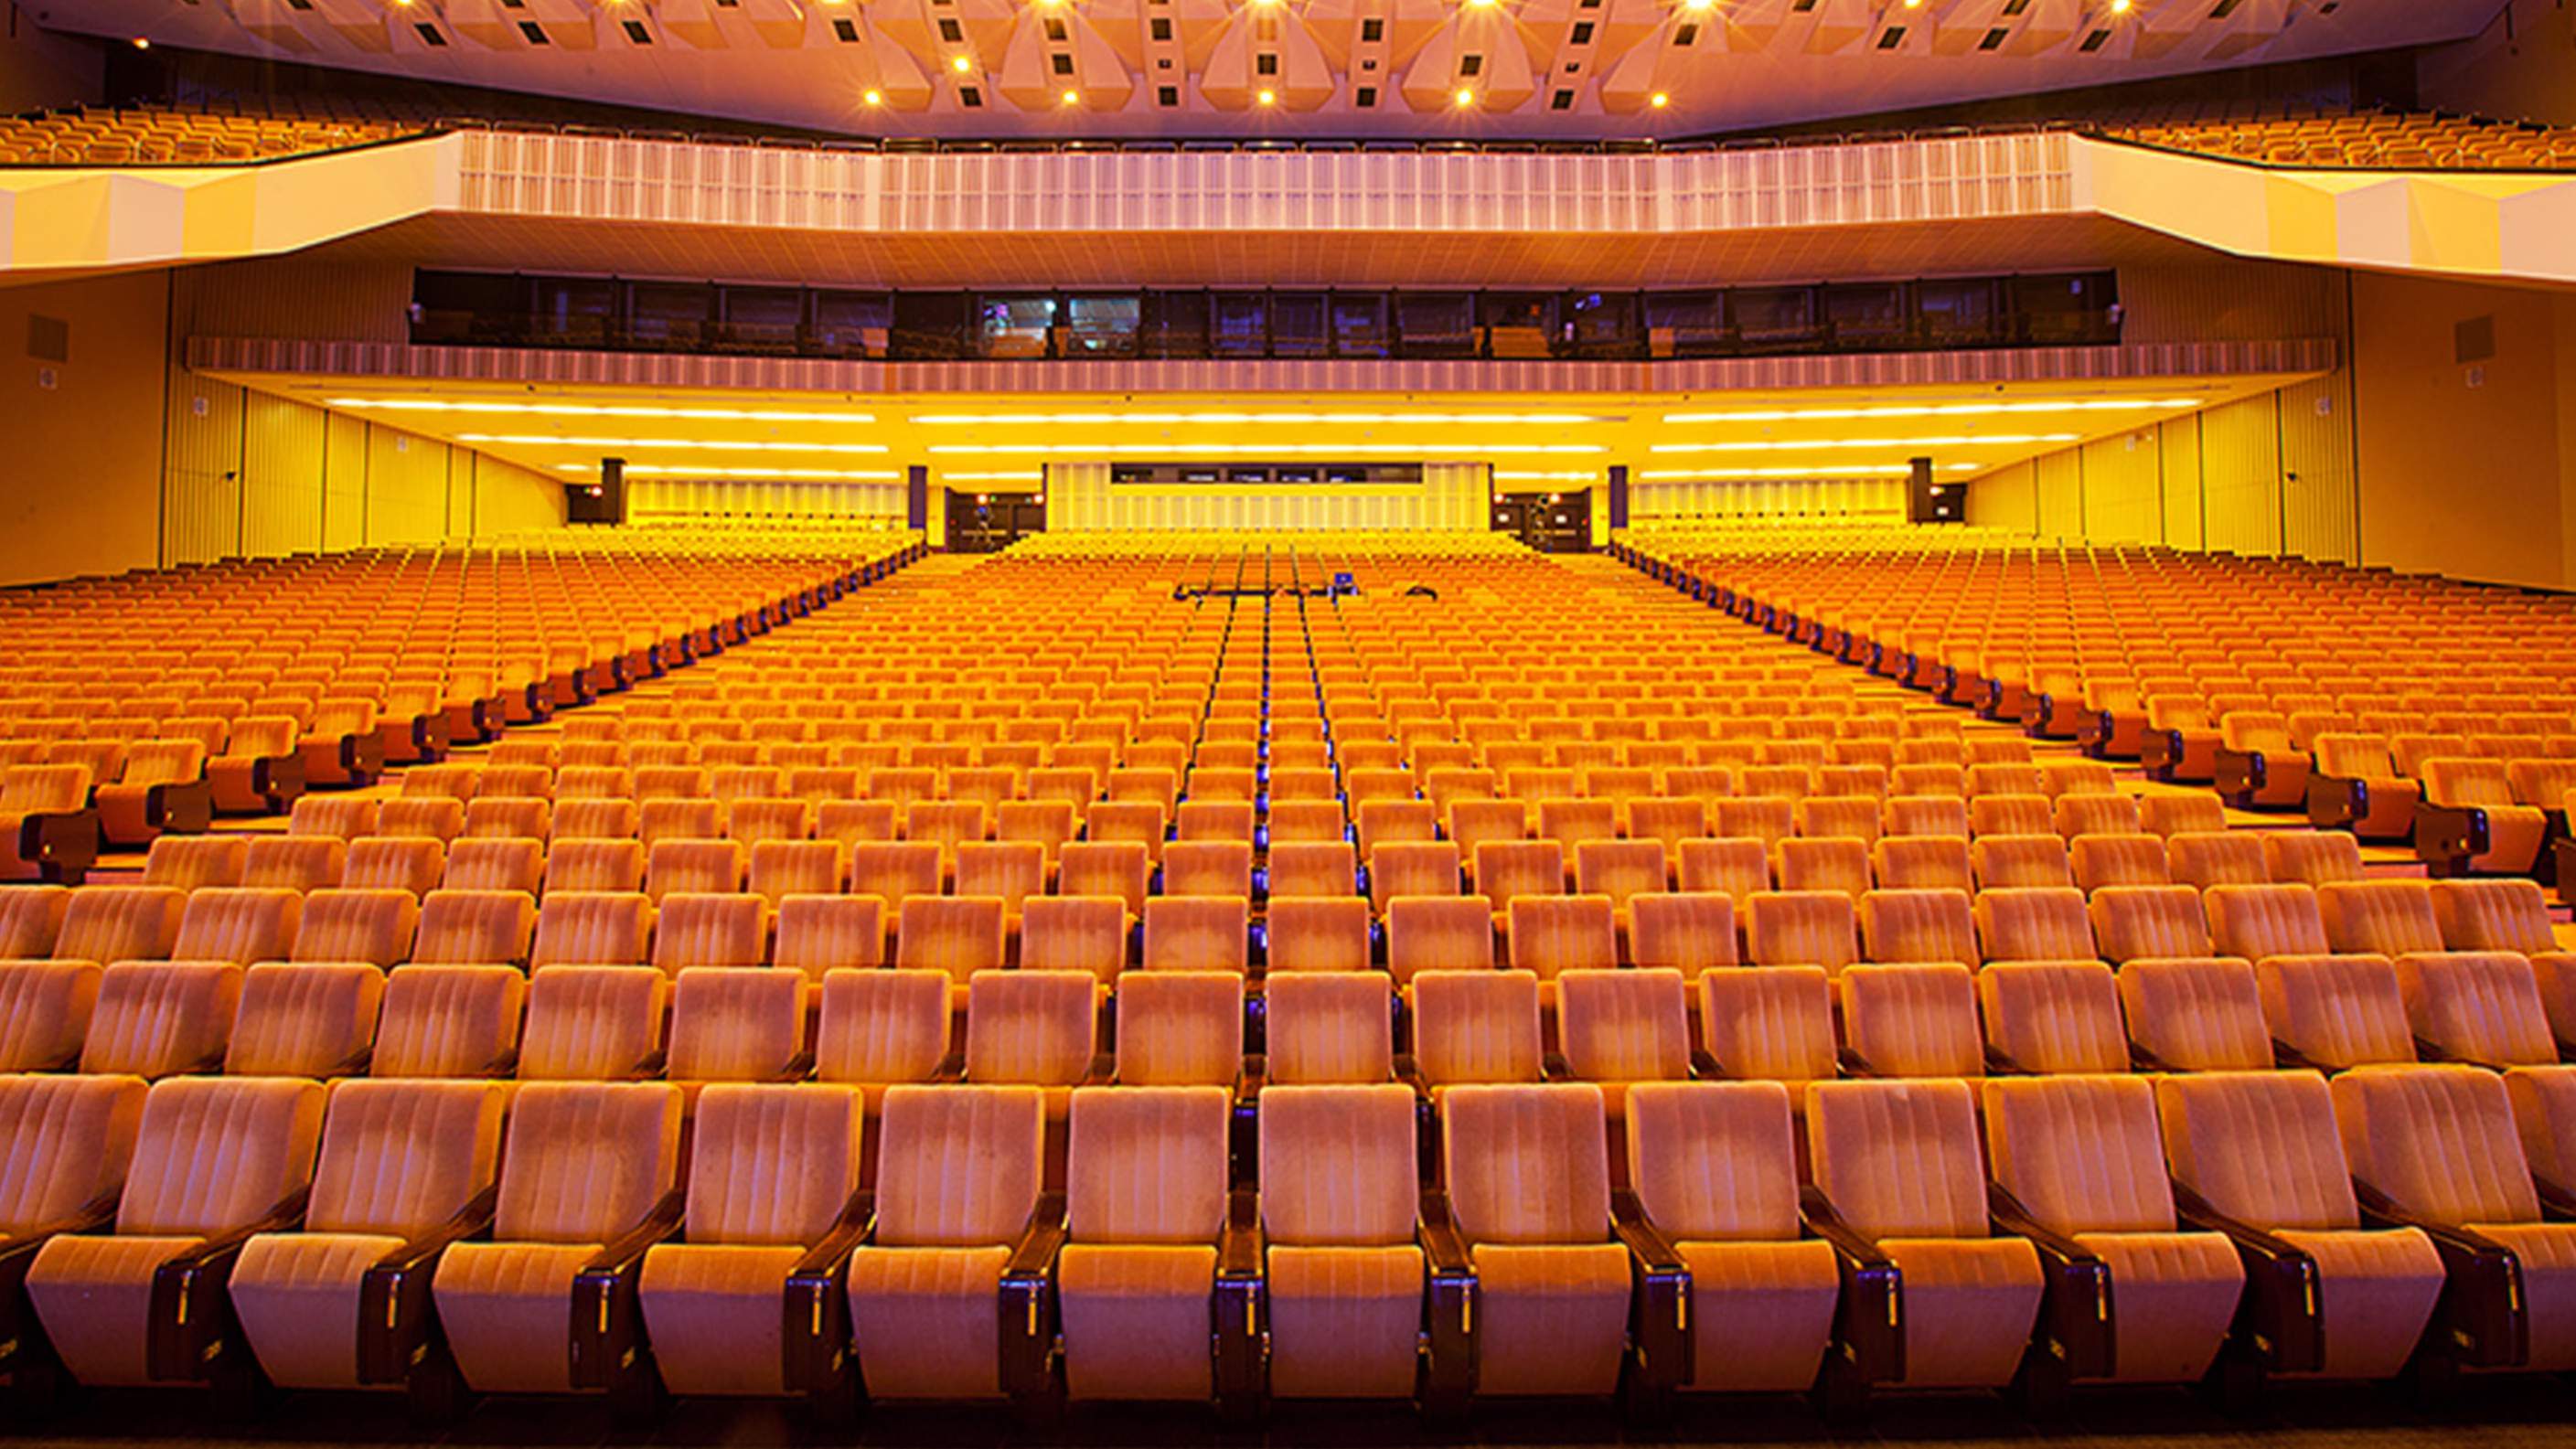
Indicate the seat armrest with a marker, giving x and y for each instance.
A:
(1553, 1067)
(2000, 1063)
(19, 1253)
(1451, 1314)
(2075, 1310)
(2557, 1204)
(355, 1064)
(607, 1320)
(816, 1333)
(2143, 1060)
(951, 1069)
(1028, 1304)
(1869, 1323)
(2287, 1058)
(1102, 1072)
(1660, 1322)
(650, 1066)
(2281, 1283)
(1853, 1064)
(795, 1069)
(2482, 1297)
(1704, 1067)
(1242, 1306)
(1244, 1129)
(504, 1065)
(394, 1297)
(190, 1310)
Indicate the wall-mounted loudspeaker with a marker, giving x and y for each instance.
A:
(600, 502)
(1930, 502)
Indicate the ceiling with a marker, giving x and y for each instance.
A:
(1005, 438)
(1431, 68)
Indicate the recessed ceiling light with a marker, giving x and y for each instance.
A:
(717, 445)
(596, 410)
(872, 96)
(1465, 97)
(1264, 98)
(960, 64)
(2003, 440)
(1073, 98)
(1409, 450)
(1248, 419)
(1932, 410)
(1659, 100)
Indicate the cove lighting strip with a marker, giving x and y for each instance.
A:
(1333, 450)
(1276, 419)
(1841, 470)
(671, 470)
(1935, 410)
(1003, 477)
(1997, 440)
(1504, 476)
(594, 410)
(718, 445)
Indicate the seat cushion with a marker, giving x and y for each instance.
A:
(507, 1308)
(1136, 1320)
(296, 1295)
(2377, 1290)
(94, 1297)
(2175, 1295)
(714, 1315)
(2547, 1253)
(1970, 1305)
(1552, 1318)
(926, 1322)
(1762, 1313)
(1344, 1322)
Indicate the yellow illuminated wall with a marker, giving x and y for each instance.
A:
(120, 459)
(1877, 499)
(1451, 496)
(2268, 474)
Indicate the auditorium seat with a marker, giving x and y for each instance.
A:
(960, 935)
(2255, 921)
(385, 862)
(2131, 922)
(695, 930)
(401, 1170)
(2312, 857)
(1923, 863)
(1180, 1028)
(2033, 924)
(2438, 1146)
(107, 924)
(45, 1012)
(495, 864)
(2493, 915)
(586, 1186)
(737, 1024)
(957, 1194)
(304, 863)
(157, 1019)
(2261, 1150)
(1897, 1166)
(1342, 1268)
(1145, 1209)
(2226, 858)
(2083, 1162)
(1438, 933)
(186, 862)
(1549, 1281)
(877, 1028)
(772, 1174)
(1476, 1026)
(215, 1160)
(1332, 1027)
(1916, 926)
(1317, 934)
(1120, 868)
(2020, 862)
(304, 1020)
(2385, 917)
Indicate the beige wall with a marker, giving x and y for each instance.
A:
(2465, 468)
(2268, 474)
(119, 460)
(2522, 66)
(80, 480)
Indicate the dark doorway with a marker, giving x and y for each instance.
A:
(991, 522)
(1548, 522)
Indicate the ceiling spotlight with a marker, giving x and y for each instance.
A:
(140, 43)
(1481, 4)
(2120, 7)
(872, 96)
(1073, 98)
(1465, 96)
(960, 64)
(1659, 100)
(1265, 98)
(1698, 6)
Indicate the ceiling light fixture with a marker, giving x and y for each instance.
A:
(1263, 98)
(1837, 470)
(1410, 450)
(594, 410)
(1931, 410)
(960, 64)
(1793, 445)
(713, 445)
(1659, 100)
(1006, 476)
(1246, 419)
(872, 96)
(1465, 97)
(673, 470)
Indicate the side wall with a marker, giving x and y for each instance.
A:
(40, 69)
(121, 459)
(2522, 66)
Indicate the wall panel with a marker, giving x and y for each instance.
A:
(79, 497)
(2059, 489)
(281, 477)
(201, 491)
(2122, 499)
(1880, 499)
(2240, 449)
(2006, 498)
(2320, 494)
(2178, 478)
(406, 488)
(344, 481)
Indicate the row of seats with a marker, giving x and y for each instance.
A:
(2372, 140)
(616, 1238)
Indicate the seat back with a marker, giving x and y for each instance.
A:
(1801, 928)
(593, 928)
(375, 927)
(2337, 1011)
(709, 930)
(2490, 915)
(1899, 1159)
(2054, 1016)
(2440, 1141)
(1774, 1023)
(68, 1141)
(1180, 1028)
(1438, 933)
(823, 933)
(881, 1026)
(1031, 1027)
(447, 1021)
(1338, 1165)
(2478, 1006)
(2261, 1147)
(1625, 1026)
(2202, 1015)
(107, 924)
(474, 928)
(1329, 1027)
(398, 1158)
(2386, 917)
(1919, 926)
(770, 1164)
(31, 920)
(960, 935)
(1195, 933)
(1913, 1020)
(1686, 931)
(1526, 1163)
(585, 1161)
(189, 862)
(1317, 934)
(958, 1166)
(1715, 1161)
(2255, 921)
(154, 1018)
(303, 1020)
(2130, 922)
(45, 1009)
(2082, 1153)
(1555, 935)
(213, 1154)
(732, 1024)
(1147, 1165)
(1476, 1026)
(588, 1023)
